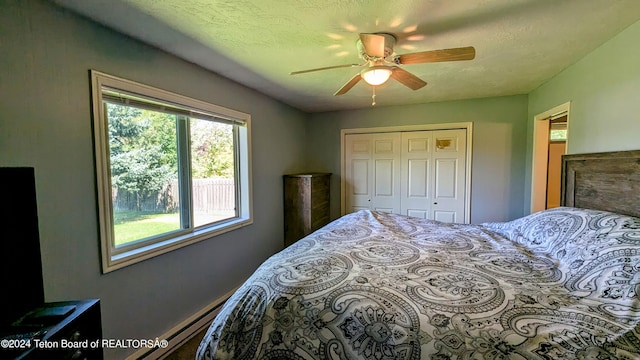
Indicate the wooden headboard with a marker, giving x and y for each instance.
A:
(603, 181)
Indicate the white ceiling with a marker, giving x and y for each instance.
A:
(519, 43)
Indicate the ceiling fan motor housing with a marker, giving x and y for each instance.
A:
(389, 42)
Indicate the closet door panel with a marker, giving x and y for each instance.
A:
(418, 178)
(386, 172)
(416, 173)
(449, 157)
(384, 177)
(445, 216)
(446, 179)
(358, 167)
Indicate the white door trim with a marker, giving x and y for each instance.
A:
(541, 154)
(468, 126)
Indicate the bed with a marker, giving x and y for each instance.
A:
(558, 284)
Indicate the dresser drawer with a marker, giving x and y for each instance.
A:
(320, 216)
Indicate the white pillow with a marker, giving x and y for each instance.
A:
(599, 251)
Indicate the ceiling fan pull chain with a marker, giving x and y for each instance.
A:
(373, 97)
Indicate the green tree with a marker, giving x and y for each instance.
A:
(161, 132)
(211, 149)
(124, 127)
(140, 172)
(143, 150)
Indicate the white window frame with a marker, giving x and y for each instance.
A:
(113, 258)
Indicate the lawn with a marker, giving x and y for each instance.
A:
(134, 225)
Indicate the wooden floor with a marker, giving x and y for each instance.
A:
(188, 350)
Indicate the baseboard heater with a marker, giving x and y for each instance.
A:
(183, 332)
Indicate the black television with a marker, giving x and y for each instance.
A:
(21, 283)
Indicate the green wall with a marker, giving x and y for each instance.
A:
(604, 91)
(499, 144)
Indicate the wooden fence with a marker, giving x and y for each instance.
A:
(213, 195)
(209, 196)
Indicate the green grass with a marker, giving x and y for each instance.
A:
(135, 225)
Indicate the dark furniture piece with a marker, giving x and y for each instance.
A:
(58, 330)
(20, 265)
(605, 181)
(29, 327)
(306, 204)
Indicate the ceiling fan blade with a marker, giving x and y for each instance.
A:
(455, 54)
(407, 79)
(346, 87)
(324, 68)
(373, 44)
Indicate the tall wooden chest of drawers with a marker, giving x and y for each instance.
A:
(306, 204)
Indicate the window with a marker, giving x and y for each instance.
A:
(171, 170)
(558, 131)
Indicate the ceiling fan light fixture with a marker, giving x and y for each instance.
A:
(381, 62)
(376, 75)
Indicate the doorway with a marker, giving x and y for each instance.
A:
(557, 148)
(550, 143)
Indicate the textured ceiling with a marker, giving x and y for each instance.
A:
(519, 43)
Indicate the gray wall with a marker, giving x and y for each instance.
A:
(499, 144)
(45, 122)
(604, 90)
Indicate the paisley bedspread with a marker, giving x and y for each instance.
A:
(559, 284)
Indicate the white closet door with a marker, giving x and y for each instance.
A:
(417, 173)
(449, 160)
(373, 172)
(386, 172)
(358, 150)
(417, 170)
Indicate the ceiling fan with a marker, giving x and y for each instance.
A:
(376, 49)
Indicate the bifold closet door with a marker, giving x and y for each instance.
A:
(433, 174)
(417, 173)
(416, 191)
(372, 179)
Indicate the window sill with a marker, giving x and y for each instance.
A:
(133, 256)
